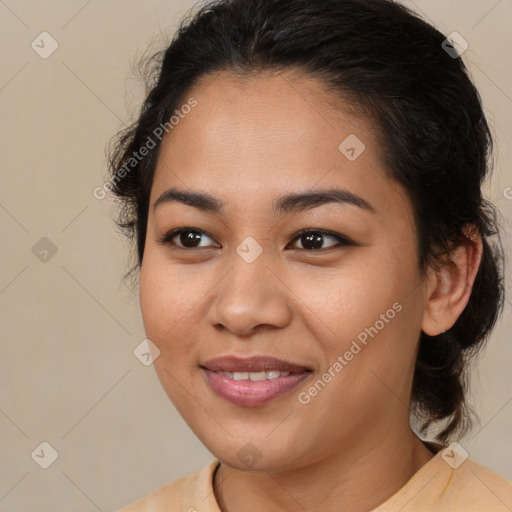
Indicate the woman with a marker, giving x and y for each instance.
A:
(317, 262)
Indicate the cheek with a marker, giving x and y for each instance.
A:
(381, 321)
(167, 307)
(343, 303)
(166, 300)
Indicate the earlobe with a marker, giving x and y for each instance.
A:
(451, 285)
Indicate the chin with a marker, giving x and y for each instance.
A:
(253, 453)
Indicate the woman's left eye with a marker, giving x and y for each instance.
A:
(312, 239)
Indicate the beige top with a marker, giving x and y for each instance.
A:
(437, 486)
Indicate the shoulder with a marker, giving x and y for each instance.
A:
(481, 487)
(189, 493)
(450, 482)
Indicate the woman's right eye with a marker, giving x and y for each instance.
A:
(187, 237)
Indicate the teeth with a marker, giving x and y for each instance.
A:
(254, 376)
(258, 376)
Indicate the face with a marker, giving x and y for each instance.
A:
(340, 306)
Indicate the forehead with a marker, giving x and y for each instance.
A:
(266, 134)
(288, 106)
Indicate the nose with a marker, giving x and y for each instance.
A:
(250, 296)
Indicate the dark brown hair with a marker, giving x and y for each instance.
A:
(434, 137)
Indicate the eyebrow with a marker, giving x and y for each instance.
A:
(282, 205)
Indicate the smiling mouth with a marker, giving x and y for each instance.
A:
(252, 381)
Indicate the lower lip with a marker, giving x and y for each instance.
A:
(250, 393)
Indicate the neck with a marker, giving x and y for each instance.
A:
(355, 479)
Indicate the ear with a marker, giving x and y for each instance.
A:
(450, 287)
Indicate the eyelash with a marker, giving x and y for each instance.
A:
(343, 240)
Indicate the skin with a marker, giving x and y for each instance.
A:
(248, 141)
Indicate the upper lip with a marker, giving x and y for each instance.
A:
(229, 363)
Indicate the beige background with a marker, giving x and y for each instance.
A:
(70, 325)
